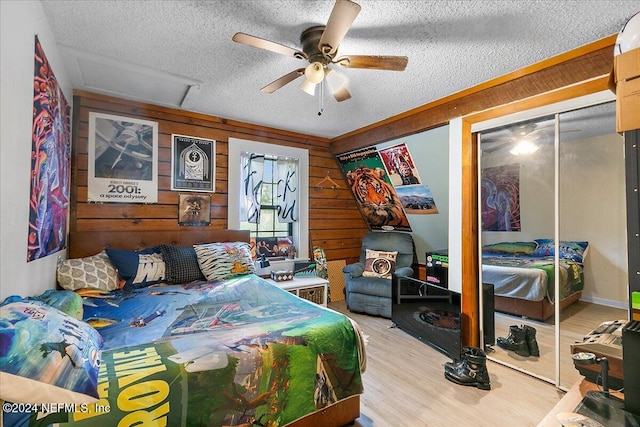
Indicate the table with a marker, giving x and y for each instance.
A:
(311, 288)
(570, 401)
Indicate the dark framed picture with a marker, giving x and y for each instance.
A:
(193, 163)
(194, 210)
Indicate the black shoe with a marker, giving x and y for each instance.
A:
(515, 341)
(471, 370)
(530, 337)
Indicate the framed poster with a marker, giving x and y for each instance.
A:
(50, 162)
(123, 159)
(193, 163)
(194, 210)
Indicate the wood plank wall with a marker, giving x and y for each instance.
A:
(335, 222)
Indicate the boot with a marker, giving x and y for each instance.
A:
(530, 337)
(471, 370)
(450, 366)
(516, 341)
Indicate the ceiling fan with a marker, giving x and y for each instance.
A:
(320, 48)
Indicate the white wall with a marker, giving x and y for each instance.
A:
(21, 21)
(430, 152)
(593, 208)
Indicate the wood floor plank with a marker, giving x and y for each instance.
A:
(404, 385)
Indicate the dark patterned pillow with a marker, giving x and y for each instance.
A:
(138, 268)
(182, 264)
(220, 261)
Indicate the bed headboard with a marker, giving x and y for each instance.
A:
(87, 243)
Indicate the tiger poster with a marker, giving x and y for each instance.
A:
(372, 189)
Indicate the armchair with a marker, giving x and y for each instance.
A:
(372, 295)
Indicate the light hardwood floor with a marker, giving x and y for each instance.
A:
(404, 385)
(576, 321)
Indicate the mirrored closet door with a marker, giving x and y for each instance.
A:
(552, 221)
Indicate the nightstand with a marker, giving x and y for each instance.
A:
(311, 288)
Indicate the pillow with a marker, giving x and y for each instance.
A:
(220, 261)
(379, 263)
(138, 268)
(68, 302)
(47, 356)
(91, 272)
(571, 251)
(181, 264)
(510, 248)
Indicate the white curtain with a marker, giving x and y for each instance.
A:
(288, 185)
(252, 168)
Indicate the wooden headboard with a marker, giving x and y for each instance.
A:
(87, 243)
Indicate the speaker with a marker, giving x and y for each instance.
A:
(631, 366)
(489, 314)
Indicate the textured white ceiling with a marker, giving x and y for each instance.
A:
(451, 46)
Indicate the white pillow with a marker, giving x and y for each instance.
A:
(220, 261)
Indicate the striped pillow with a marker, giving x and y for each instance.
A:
(220, 261)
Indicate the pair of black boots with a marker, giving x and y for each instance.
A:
(521, 340)
(471, 370)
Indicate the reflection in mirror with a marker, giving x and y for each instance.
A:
(592, 208)
(574, 190)
(517, 223)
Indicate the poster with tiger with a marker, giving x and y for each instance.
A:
(372, 189)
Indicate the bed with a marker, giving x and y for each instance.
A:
(522, 274)
(238, 351)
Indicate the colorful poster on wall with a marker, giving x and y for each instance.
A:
(417, 199)
(123, 159)
(372, 189)
(400, 165)
(635, 305)
(500, 198)
(194, 210)
(193, 163)
(403, 174)
(50, 162)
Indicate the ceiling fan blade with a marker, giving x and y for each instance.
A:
(342, 16)
(342, 94)
(392, 63)
(287, 78)
(337, 84)
(254, 41)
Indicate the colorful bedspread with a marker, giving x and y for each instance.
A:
(238, 352)
(531, 277)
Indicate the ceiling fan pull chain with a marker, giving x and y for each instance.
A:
(321, 101)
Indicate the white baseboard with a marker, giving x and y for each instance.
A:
(607, 302)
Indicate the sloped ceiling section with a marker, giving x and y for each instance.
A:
(180, 53)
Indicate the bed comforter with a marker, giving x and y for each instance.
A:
(530, 277)
(236, 352)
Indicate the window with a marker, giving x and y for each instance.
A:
(269, 225)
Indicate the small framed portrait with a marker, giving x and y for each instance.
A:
(194, 210)
(193, 163)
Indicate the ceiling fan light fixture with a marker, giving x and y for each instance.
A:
(524, 147)
(308, 87)
(314, 72)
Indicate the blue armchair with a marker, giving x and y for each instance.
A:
(372, 295)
